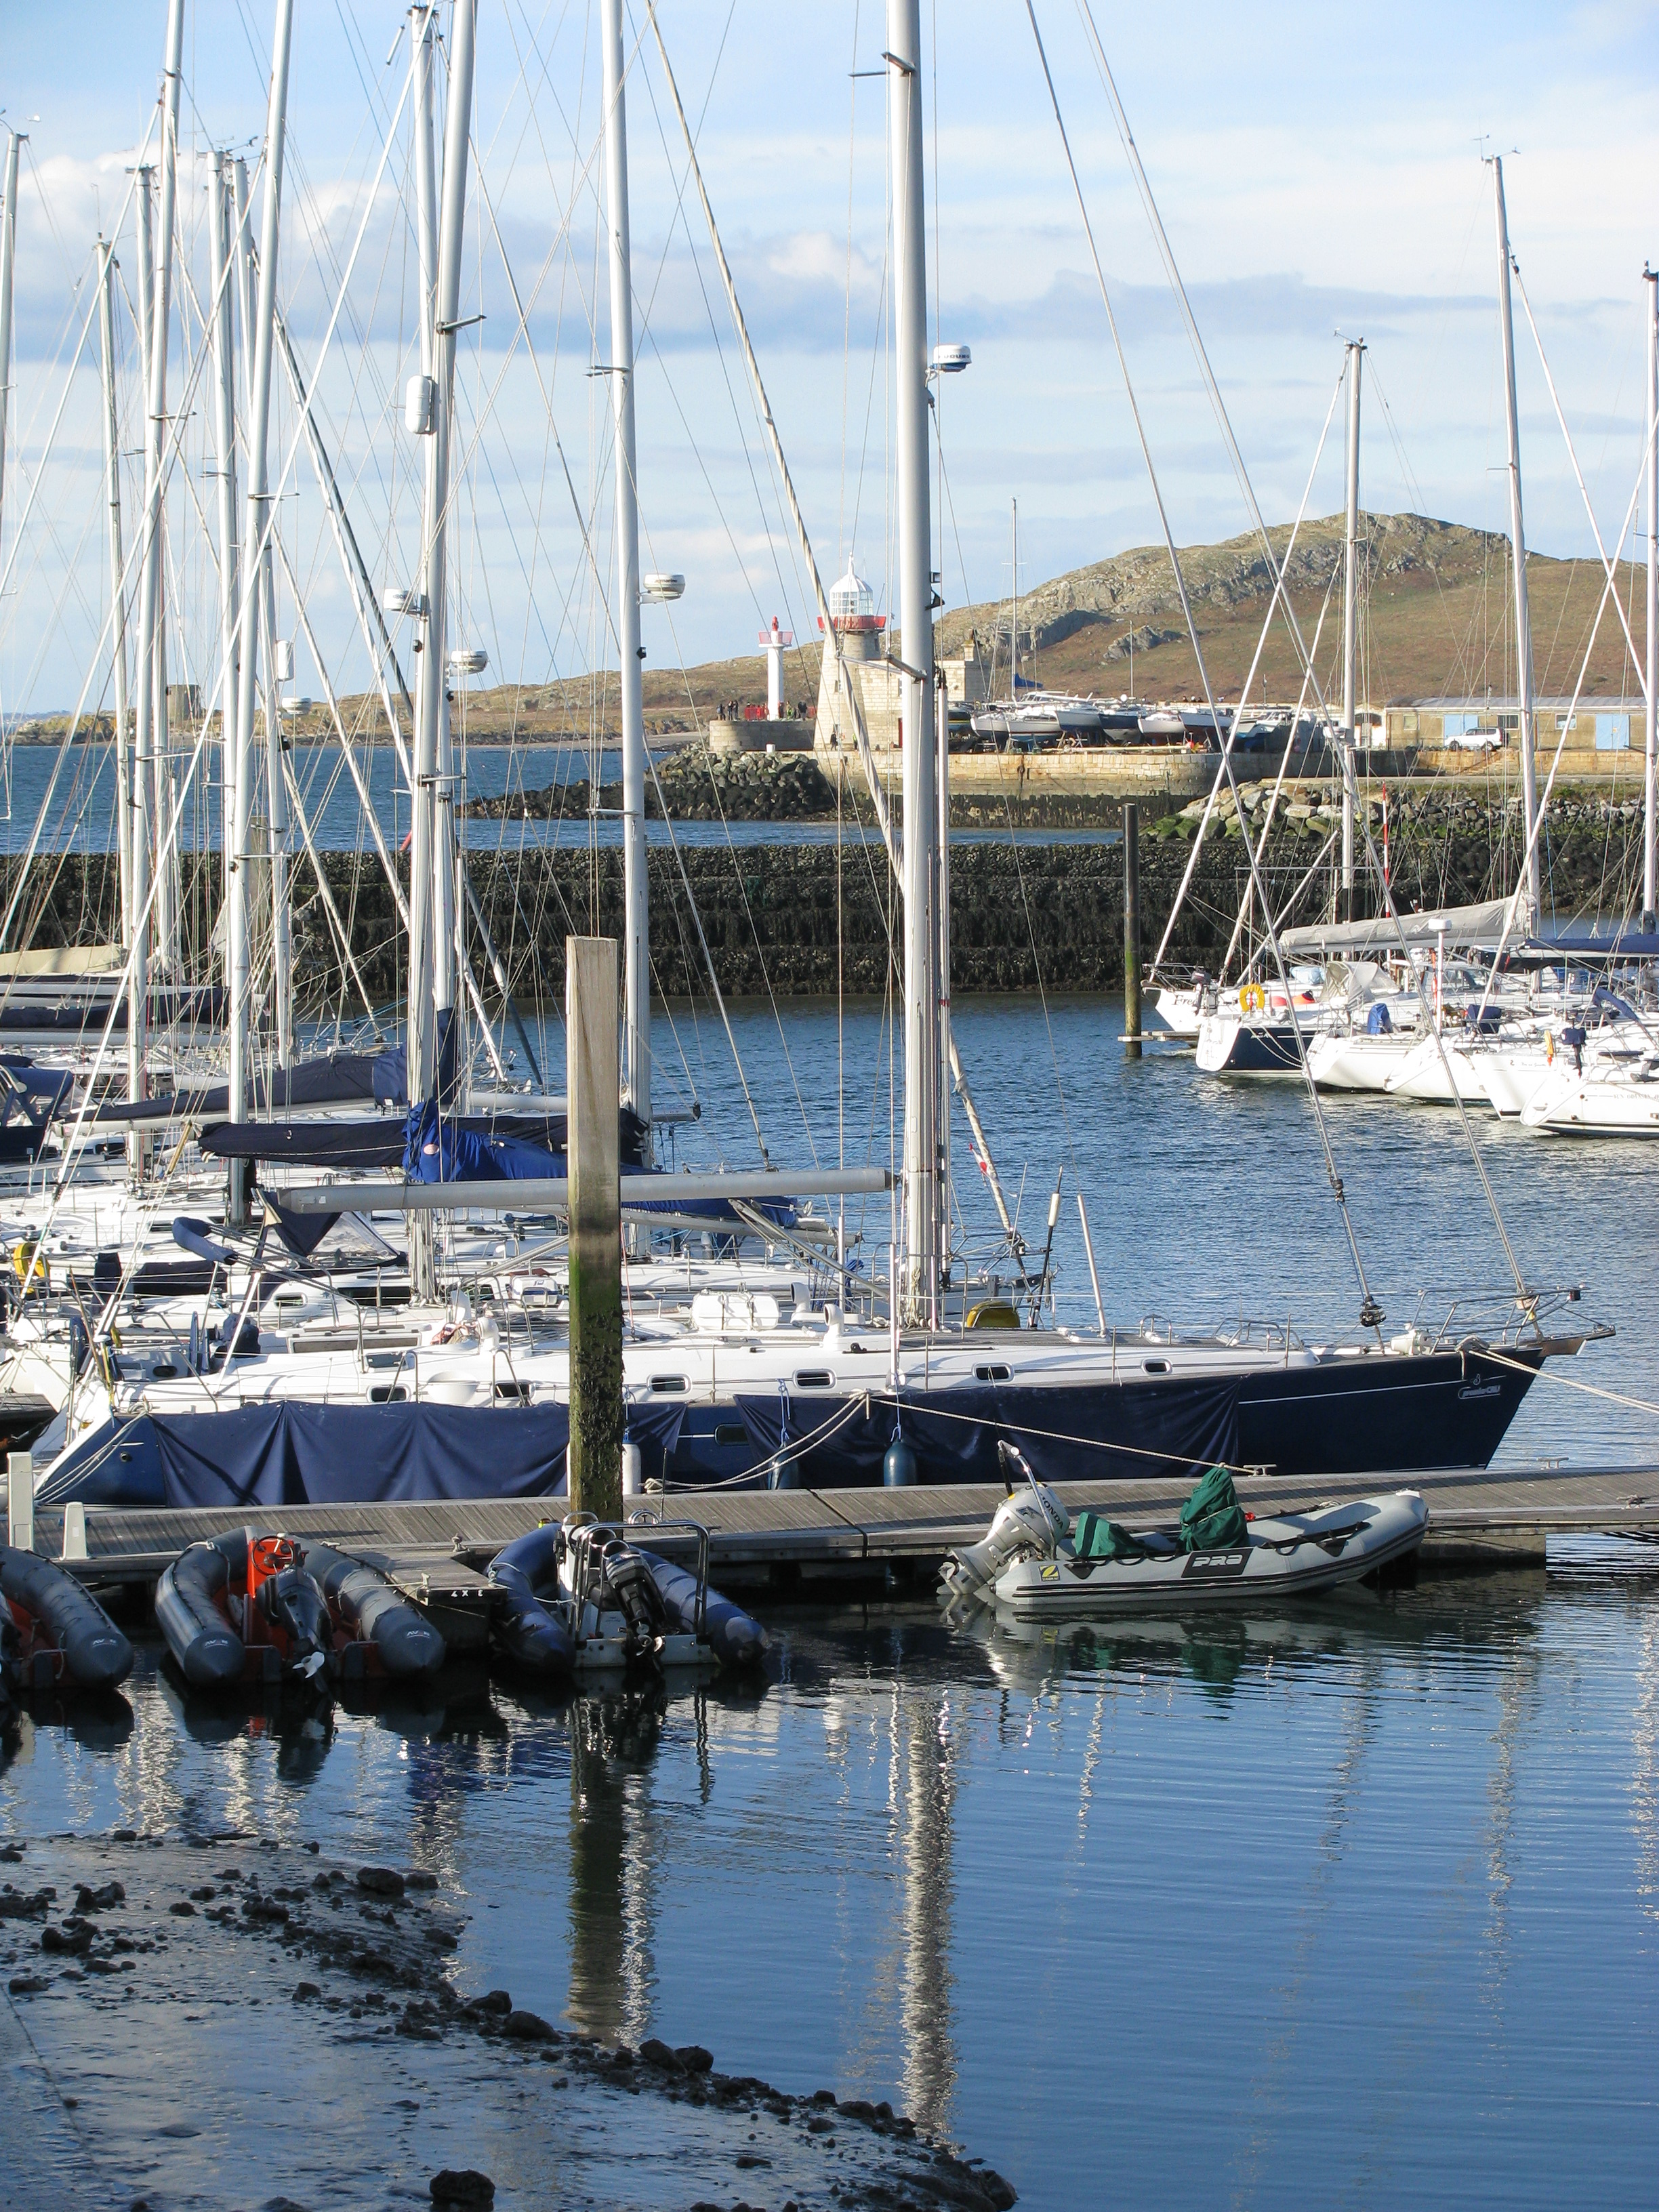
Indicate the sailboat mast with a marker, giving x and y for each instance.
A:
(143, 732)
(7, 261)
(922, 1192)
(252, 603)
(166, 907)
(1013, 597)
(1518, 547)
(233, 808)
(636, 964)
(431, 960)
(1351, 627)
(428, 675)
(458, 128)
(1650, 782)
(117, 590)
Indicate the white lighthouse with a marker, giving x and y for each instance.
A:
(776, 640)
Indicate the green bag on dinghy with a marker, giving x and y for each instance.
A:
(1212, 1520)
(1094, 1537)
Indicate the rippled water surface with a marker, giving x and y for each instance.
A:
(1209, 1201)
(1357, 1907)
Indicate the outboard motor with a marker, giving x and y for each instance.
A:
(629, 1586)
(1032, 1520)
(290, 1602)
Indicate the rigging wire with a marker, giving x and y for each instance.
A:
(1371, 1313)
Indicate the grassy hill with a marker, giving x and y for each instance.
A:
(1435, 616)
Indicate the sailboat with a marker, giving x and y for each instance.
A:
(799, 1377)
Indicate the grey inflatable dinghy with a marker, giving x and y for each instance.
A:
(370, 1613)
(220, 1635)
(586, 1597)
(62, 1635)
(1036, 1563)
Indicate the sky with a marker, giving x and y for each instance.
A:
(1318, 171)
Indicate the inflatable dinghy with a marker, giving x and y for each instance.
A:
(243, 1607)
(584, 1597)
(61, 1635)
(311, 1611)
(387, 1634)
(1037, 1565)
(531, 1634)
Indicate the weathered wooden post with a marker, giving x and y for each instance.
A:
(596, 1368)
(1132, 929)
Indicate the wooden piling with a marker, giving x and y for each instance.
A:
(1132, 930)
(596, 1322)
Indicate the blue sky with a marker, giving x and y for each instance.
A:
(1314, 171)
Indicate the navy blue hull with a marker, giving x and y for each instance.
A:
(1393, 1415)
(1268, 1050)
(1383, 1414)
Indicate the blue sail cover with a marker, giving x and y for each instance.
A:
(293, 1453)
(338, 1079)
(438, 1148)
(1078, 1432)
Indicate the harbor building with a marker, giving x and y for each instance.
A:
(861, 631)
(1605, 736)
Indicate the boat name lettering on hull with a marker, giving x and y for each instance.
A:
(1215, 1566)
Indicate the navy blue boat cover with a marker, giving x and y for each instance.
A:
(292, 1453)
(1079, 1432)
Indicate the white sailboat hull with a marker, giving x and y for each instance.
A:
(1569, 1105)
(1430, 1072)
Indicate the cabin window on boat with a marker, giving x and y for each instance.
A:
(670, 1386)
(990, 1375)
(730, 1432)
(388, 1393)
(815, 1378)
(1155, 1366)
(517, 1393)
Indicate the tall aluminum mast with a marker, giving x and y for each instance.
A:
(1518, 552)
(254, 530)
(117, 581)
(143, 730)
(431, 961)
(1650, 782)
(154, 583)
(8, 260)
(922, 1191)
(234, 778)
(1351, 627)
(637, 952)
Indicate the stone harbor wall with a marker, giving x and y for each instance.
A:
(808, 919)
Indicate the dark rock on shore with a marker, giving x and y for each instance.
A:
(140, 1981)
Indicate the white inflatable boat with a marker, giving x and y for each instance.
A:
(1036, 1563)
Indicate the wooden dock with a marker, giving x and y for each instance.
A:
(823, 1543)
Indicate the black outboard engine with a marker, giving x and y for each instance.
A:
(292, 1602)
(630, 1589)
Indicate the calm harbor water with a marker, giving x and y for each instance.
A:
(81, 814)
(1356, 1906)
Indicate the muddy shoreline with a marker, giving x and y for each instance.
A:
(174, 2001)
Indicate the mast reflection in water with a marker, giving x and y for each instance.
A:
(1377, 1875)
